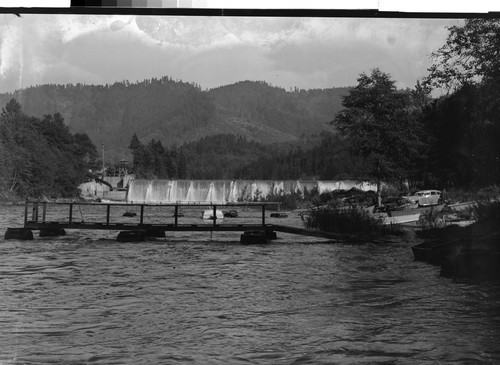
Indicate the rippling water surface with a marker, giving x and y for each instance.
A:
(85, 298)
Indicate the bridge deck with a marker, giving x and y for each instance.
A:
(153, 227)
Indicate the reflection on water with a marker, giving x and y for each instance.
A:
(85, 298)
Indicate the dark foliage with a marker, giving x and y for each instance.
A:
(464, 127)
(234, 157)
(328, 159)
(346, 219)
(40, 157)
(487, 212)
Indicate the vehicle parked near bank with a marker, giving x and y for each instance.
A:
(425, 197)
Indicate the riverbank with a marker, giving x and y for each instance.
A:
(10, 198)
(473, 250)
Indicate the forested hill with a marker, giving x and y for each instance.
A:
(294, 112)
(175, 112)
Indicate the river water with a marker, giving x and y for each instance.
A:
(85, 298)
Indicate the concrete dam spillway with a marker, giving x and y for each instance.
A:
(228, 191)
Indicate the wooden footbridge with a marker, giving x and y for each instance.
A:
(141, 221)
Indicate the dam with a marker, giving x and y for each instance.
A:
(143, 191)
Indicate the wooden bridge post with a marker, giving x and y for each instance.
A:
(263, 215)
(108, 208)
(142, 214)
(176, 212)
(70, 213)
(26, 212)
(215, 215)
(34, 213)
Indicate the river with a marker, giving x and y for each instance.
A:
(85, 298)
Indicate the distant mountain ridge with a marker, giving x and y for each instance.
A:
(175, 112)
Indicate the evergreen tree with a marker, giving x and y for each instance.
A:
(138, 156)
(173, 163)
(85, 150)
(182, 166)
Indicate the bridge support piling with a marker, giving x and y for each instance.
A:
(131, 236)
(52, 232)
(254, 237)
(155, 233)
(18, 234)
(271, 235)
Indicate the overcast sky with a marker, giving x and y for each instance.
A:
(213, 51)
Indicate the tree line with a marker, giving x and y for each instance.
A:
(40, 157)
(227, 156)
(211, 157)
(154, 161)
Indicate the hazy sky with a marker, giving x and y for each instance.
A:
(213, 51)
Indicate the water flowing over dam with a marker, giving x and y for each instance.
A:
(229, 191)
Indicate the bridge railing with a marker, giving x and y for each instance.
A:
(37, 212)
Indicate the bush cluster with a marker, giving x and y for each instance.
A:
(346, 219)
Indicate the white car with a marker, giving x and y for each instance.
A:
(425, 197)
